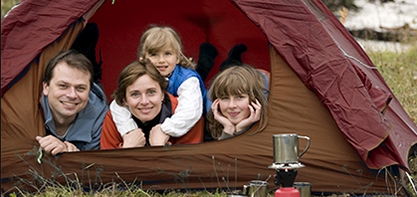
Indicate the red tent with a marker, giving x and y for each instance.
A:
(323, 85)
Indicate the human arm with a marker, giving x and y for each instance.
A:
(134, 138)
(122, 118)
(110, 137)
(53, 145)
(157, 137)
(188, 111)
(100, 110)
(230, 130)
(255, 115)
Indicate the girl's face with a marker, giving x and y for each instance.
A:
(235, 108)
(144, 98)
(164, 60)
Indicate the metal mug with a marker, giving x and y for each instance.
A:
(286, 148)
(304, 188)
(256, 188)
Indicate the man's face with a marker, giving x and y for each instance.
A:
(67, 92)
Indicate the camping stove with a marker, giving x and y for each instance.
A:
(286, 163)
(286, 173)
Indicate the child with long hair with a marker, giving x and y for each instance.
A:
(239, 96)
(163, 47)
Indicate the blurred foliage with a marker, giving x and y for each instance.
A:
(6, 5)
(335, 5)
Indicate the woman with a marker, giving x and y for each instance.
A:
(142, 90)
(239, 96)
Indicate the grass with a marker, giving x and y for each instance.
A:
(398, 68)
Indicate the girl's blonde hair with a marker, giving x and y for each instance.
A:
(238, 80)
(157, 38)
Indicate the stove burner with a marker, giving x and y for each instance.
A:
(286, 166)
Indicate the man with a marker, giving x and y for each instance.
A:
(74, 106)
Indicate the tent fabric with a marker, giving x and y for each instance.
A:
(322, 85)
(28, 44)
(323, 62)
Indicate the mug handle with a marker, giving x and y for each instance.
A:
(307, 147)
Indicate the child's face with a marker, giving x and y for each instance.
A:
(144, 98)
(164, 60)
(235, 108)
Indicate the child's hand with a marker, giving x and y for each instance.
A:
(134, 138)
(255, 115)
(228, 126)
(157, 137)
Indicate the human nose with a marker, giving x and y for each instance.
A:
(161, 59)
(143, 100)
(72, 93)
(232, 103)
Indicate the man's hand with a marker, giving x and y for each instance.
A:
(51, 144)
(71, 147)
(157, 137)
(134, 138)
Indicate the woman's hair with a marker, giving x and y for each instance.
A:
(238, 80)
(157, 38)
(132, 72)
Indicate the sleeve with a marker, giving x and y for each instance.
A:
(97, 127)
(122, 118)
(225, 136)
(188, 111)
(110, 138)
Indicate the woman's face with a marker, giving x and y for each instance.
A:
(235, 108)
(144, 98)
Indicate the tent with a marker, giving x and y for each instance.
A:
(323, 85)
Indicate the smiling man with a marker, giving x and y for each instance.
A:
(73, 105)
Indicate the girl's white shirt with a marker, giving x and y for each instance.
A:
(187, 113)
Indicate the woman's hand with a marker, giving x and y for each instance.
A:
(255, 115)
(134, 138)
(157, 137)
(227, 125)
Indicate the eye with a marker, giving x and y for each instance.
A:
(81, 88)
(224, 98)
(62, 86)
(151, 92)
(168, 53)
(134, 94)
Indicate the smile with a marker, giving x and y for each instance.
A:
(145, 110)
(68, 103)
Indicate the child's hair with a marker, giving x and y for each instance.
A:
(131, 73)
(238, 80)
(157, 38)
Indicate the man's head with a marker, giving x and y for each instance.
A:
(67, 82)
